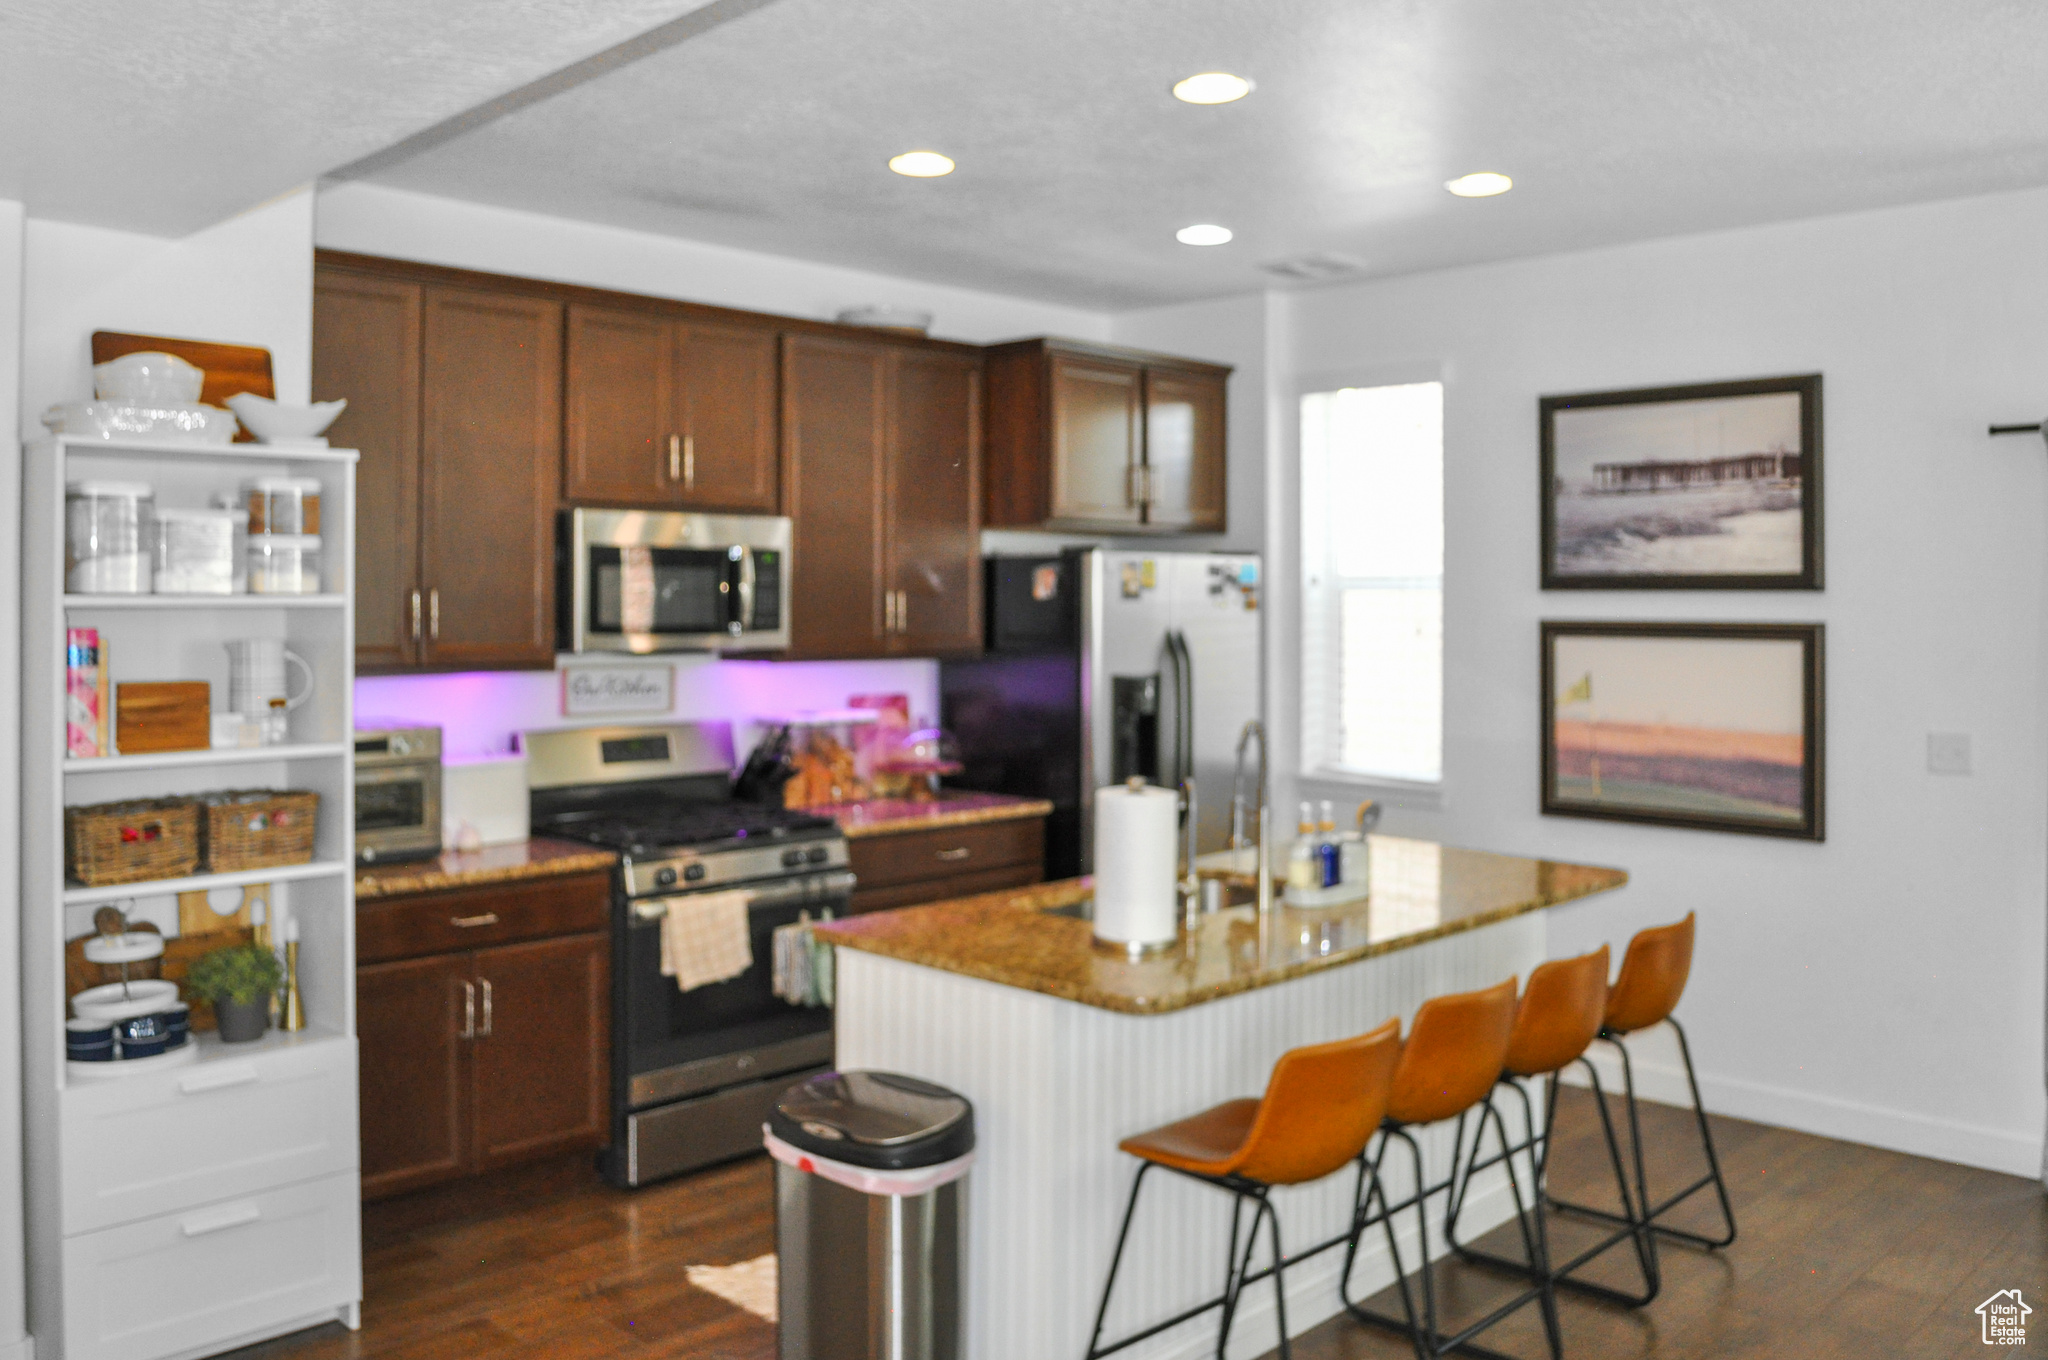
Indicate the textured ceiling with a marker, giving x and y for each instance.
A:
(166, 117)
(1619, 120)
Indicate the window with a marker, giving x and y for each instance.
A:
(1372, 519)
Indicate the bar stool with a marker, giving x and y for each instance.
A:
(1653, 977)
(1454, 1055)
(1563, 1009)
(1321, 1107)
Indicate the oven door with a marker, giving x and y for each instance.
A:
(654, 599)
(679, 1043)
(398, 811)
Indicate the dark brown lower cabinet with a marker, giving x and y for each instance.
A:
(910, 867)
(484, 1057)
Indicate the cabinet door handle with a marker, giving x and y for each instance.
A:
(902, 611)
(689, 462)
(888, 611)
(415, 616)
(1132, 473)
(468, 1011)
(216, 1220)
(489, 918)
(958, 852)
(485, 1032)
(434, 613)
(675, 458)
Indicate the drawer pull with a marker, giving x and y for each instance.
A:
(958, 852)
(219, 1220)
(220, 1078)
(489, 918)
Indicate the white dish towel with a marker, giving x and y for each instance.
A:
(706, 939)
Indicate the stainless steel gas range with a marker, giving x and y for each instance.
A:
(693, 1073)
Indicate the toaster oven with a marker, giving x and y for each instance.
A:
(398, 792)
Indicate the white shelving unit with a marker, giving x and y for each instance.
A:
(184, 1211)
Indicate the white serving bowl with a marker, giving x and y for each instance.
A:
(183, 422)
(151, 377)
(144, 996)
(277, 423)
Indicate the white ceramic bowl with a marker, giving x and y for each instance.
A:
(146, 996)
(151, 376)
(276, 423)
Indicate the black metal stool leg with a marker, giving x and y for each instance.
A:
(1707, 1142)
(1116, 1259)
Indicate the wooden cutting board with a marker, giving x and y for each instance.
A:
(229, 368)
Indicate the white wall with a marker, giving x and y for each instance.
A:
(13, 1318)
(374, 220)
(1886, 986)
(246, 281)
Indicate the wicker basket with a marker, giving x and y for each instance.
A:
(257, 828)
(131, 842)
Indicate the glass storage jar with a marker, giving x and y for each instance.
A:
(282, 505)
(284, 564)
(830, 759)
(107, 528)
(198, 552)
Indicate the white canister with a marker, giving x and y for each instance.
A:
(1137, 871)
(198, 552)
(107, 528)
(284, 564)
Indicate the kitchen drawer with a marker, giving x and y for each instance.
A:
(914, 856)
(944, 889)
(473, 918)
(205, 1278)
(227, 1125)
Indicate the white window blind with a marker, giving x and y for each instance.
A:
(1372, 516)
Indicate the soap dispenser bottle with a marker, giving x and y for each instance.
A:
(1304, 865)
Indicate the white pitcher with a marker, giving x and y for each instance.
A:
(256, 675)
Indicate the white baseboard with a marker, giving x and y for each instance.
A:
(1851, 1121)
(1312, 1295)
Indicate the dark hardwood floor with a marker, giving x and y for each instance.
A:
(1845, 1253)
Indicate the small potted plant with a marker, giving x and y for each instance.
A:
(239, 980)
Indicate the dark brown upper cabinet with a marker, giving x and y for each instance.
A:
(670, 413)
(882, 453)
(1092, 437)
(366, 347)
(455, 403)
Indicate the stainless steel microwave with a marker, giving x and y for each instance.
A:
(644, 581)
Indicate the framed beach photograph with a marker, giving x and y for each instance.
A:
(1710, 487)
(1710, 725)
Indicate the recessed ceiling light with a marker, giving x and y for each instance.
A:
(921, 164)
(1212, 87)
(1484, 184)
(1202, 234)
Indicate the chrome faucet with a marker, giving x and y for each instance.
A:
(1254, 728)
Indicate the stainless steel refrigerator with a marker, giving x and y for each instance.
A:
(1105, 663)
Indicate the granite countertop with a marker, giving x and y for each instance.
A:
(540, 857)
(1420, 891)
(886, 816)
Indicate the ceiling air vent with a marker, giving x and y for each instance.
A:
(1319, 267)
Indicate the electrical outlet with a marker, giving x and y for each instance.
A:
(1948, 753)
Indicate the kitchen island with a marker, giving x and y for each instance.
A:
(1065, 1048)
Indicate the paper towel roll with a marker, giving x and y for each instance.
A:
(1136, 870)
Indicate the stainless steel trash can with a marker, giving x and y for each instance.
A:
(870, 1217)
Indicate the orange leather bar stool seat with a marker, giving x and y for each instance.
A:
(1653, 977)
(1322, 1105)
(1453, 1056)
(1562, 1010)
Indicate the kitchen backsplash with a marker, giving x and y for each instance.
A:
(479, 711)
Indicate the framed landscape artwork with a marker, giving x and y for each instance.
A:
(1711, 487)
(1709, 725)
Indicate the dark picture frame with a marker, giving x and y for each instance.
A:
(1686, 501)
(1675, 772)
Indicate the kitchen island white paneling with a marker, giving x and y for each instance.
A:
(1064, 1051)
